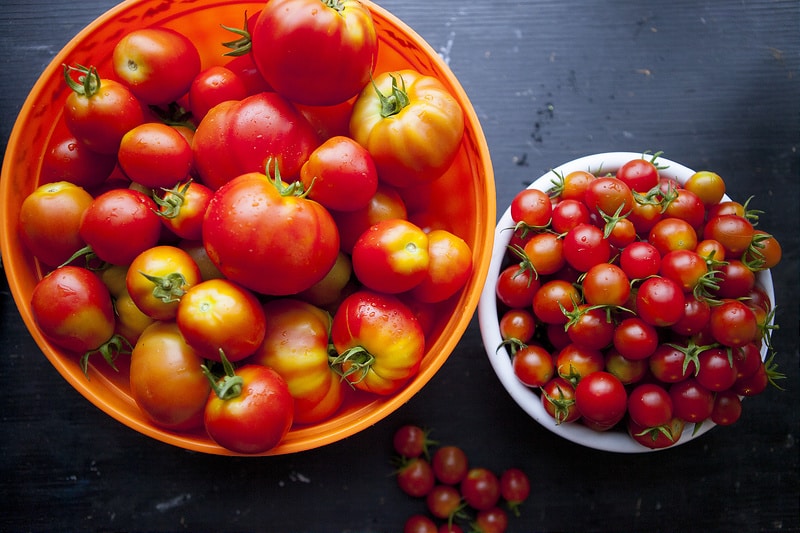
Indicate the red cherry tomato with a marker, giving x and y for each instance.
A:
(155, 155)
(213, 86)
(601, 399)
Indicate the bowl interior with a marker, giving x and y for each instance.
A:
(472, 217)
(527, 398)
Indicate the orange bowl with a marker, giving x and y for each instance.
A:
(471, 216)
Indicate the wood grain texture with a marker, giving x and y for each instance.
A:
(714, 84)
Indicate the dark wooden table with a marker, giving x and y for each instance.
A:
(713, 84)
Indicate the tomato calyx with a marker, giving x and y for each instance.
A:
(295, 188)
(88, 83)
(692, 351)
(90, 259)
(753, 257)
(654, 432)
(110, 350)
(658, 196)
(172, 202)
(612, 220)
(358, 360)
(525, 264)
(174, 115)
(243, 44)
(229, 385)
(167, 288)
(561, 405)
(513, 345)
(396, 101)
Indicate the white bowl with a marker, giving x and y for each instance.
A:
(528, 398)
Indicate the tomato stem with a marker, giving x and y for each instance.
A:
(88, 80)
(167, 288)
(352, 361)
(243, 44)
(296, 188)
(230, 385)
(396, 101)
(110, 349)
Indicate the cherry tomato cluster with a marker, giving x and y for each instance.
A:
(243, 231)
(629, 300)
(454, 491)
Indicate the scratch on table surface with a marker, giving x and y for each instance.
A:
(177, 501)
(444, 51)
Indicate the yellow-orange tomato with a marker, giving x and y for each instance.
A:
(158, 278)
(166, 378)
(449, 268)
(391, 256)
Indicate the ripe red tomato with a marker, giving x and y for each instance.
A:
(157, 279)
(219, 315)
(155, 155)
(68, 159)
(639, 175)
(49, 221)
(385, 204)
(606, 284)
(519, 324)
(558, 399)
(99, 111)
(480, 488)
(516, 287)
(391, 256)
(443, 501)
(158, 64)
(659, 301)
(687, 206)
(266, 239)
(685, 267)
(574, 362)
(515, 487)
(315, 54)
(640, 260)
(410, 440)
(669, 364)
(415, 477)
(567, 214)
(533, 365)
(585, 246)
(120, 224)
(492, 520)
(545, 253)
(691, 401)
(659, 437)
(340, 174)
(733, 324)
(573, 185)
(635, 339)
(213, 86)
(410, 124)
(379, 342)
(183, 208)
(450, 464)
(734, 232)
(419, 523)
(650, 405)
(727, 408)
(608, 196)
(532, 208)
(628, 371)
(601, 399)
(73, 309)
(166, 378)
(238, 137)
(251, 409)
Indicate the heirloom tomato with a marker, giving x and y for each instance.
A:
(158, 64)
(379, 342)
(155, 155)
(166, 378)
(74, 310)
(157, 279)
(296, 346)
(449, 267)
(315, 52)
(241, 136)
(120, 224)
(250, 410)
(98, 112)
(410, 124)
(213, 86)
(49, 221)
(340, 174)
(263, 235)
(391, 256)
(219, 315)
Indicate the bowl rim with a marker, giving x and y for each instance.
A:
(356, 421)
(525, 397)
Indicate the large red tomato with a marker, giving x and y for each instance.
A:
(312, 52)
(270, 241)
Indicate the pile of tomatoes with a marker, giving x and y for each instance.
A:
(629, 300)
(242, 231)
(454, 490)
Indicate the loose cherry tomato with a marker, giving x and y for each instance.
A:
(443, 501)
(450, 464)
(515, 487)
(410, 440)
(419, 523)
(493, 520)
(415, 477)
(480, 488)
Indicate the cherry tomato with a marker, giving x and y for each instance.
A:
(558, 399)
(567, 214)
(493, 520)
(533, 365)
(419, 523)
(628, 371)
(166, 379)
(590, 327)
(251, 409)
(609, 196)
(328, 50)
(734, 232)
(213, 86)
(183, 208)
(262, 236)
(68, 159)
(443, 501)
(735, 280)
(640, 175)
(155, 155)
(574, 362)
(687, 206)
(672, 234)
(640, 260)
(606, 284)
(685, 267)
(635, 339)
(764, 252)
(727, 408)
(158, 64)
(669, 364)
(415, 477)
(696, 313)
(659, 301)
(573, 185)
(98, 112)
(391, 256)
(516, 287)
(545, 252)
(519, 324)
(410, 440)
(450, 464)
(585, 246)
(219, 315)
(601, 398)
(480, 488)
(658, 437)
(691, 401)
(552, 298)
(379, 342)
(49, 221)
(733, 323)
(650, 405)
(707, 185)
(118, 213)
(515, 487)
(532, 208)
(340, 174)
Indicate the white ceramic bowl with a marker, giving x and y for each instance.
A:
(528, 398)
